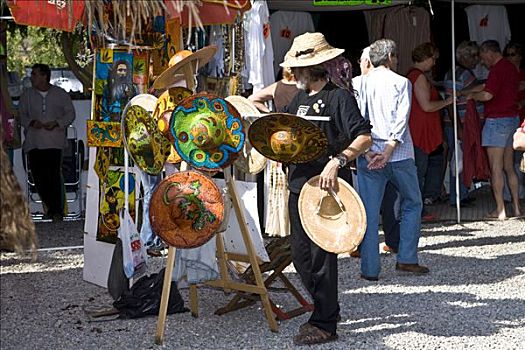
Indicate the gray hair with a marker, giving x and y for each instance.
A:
(381, 50)
(467, 50)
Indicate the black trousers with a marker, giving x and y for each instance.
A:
(46, 169)
(318, 271)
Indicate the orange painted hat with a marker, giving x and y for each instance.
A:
(287, 138)
(208, 131)
(186, 209)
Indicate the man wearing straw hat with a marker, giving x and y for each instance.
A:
(348, 134)
(386, 104)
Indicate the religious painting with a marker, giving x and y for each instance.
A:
(112, 202)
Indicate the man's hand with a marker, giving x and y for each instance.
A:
(328, 177)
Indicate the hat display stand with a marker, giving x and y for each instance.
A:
(225, 281)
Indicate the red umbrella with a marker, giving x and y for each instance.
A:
(210, 11)
(55, 14)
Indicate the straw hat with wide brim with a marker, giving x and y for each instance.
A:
(249, 160)
(334, 220)
(186, 209)
(208, 132)
(174, 72)
(310, 49)
(287, 138)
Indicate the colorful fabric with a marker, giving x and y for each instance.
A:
(464, 79)
(475, 161)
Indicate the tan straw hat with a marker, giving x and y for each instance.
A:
(335, 220)
(249, 160)
(174, 73)
(310, 49)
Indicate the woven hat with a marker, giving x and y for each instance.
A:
(310, 49)
(249, 160)
(162, 114)
(287, 138)
(208, 131)
(173, 73)
(148, 148)
(335, 221)
(186, 209)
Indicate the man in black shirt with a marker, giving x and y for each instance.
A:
(348, 135)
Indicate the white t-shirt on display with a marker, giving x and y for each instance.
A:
(285, 26)
(488, 22)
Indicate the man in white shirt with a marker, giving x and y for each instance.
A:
(386, 104)
(45, 113)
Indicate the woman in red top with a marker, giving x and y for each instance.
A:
(425, 120)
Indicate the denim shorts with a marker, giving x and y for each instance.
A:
(497, 132)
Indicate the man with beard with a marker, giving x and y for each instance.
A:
(119, 90)
(348, 133)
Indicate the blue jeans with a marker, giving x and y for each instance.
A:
(147, 236)
(463, 190)
(372, 183)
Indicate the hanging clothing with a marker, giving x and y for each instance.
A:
(215, 68)
(475, 161)
(488, 22)
(285, 26)
(408, 26)
(258, 46)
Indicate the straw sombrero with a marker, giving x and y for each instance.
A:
(208, 131)
(249, 160)
(174, 72)
(162, 114)
(145, 144)
(310, 49)
(186, 209)
(335, 221)
(287, 138)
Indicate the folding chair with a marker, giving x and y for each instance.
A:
(72, 163)
(279, 251)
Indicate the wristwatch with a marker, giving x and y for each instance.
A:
(341, 158)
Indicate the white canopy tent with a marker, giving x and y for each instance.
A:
(308, 6)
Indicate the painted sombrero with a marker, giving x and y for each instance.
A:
(249, 160)
(186, 209)
(174, 72)
(287, 138)
(148, 148)
(335, 220)
(208, 131)
(162, 114)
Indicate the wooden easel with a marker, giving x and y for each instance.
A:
(224, 282)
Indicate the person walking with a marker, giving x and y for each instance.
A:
(386, 106)
(45, 113)
(348, 135)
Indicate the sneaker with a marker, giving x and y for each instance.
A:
(414, 268)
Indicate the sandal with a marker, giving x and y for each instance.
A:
(310, 335)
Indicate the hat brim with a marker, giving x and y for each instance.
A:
(217, 111)
(186, 209)
(249, 160)
(173, 74)
(317, 58)
(336, 234)
(311, 140)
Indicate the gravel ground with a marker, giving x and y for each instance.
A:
(474, 298)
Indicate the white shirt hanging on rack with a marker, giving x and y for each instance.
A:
(285, 26)
(258, 46)
(488, 22)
